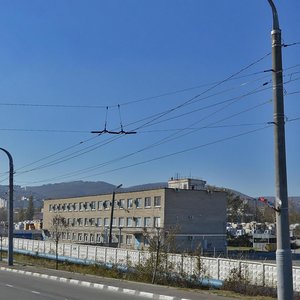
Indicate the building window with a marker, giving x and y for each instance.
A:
(115, 204)
(80, 206)
(75, 206)
(114, 222)
(106, 222)
(73, 236)
(121, 203)
(129, 222)
(86, 237)
(86, 222)
(92, 238)
(92, 221)
(93, 205)
(157, 200)
(129, 203)
(99, 238)
(147, 202)
(69, 236)
(100, 205)
(99, 222)
(156, 222)
(50, 207)
(106, 204)
(86, 206)
(80, 222)
(129, 239)
(138, 202)
(138, 222)
(147, 222)
(121, 222)
(80, 237)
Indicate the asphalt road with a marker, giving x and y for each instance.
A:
(18, 286)
(33, 282)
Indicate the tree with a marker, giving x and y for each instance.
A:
(21, 215)
(294, 215)
(3, 214)
(59, 226)
(235, 208)
(30, 209)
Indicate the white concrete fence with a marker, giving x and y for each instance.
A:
(258, 273)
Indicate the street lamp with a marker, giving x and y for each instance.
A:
(283, 252)
(10, 208)
(112, 214)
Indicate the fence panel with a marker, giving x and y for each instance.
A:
(218, 268)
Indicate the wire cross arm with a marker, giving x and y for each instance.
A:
(113, 132)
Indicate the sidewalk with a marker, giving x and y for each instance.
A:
(134, 288)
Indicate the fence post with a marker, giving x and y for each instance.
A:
(263, 274)
(218, 268)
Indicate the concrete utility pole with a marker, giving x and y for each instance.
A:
(112, 214)
(10, 209)
(283, 253)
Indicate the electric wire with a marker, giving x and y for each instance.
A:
(213, 86)
(96, 146)
(63, 159)
(164, 156)
(87, 149)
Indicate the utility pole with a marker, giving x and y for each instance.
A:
(10, 209)
(112, 215)
(283, 252)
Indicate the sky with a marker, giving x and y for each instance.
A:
(189, 79)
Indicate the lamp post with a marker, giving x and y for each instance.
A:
(283, 252)
(112, 214)
(10, 208)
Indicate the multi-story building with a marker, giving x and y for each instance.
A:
(196, 217)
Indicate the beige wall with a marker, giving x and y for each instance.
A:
(194, 212)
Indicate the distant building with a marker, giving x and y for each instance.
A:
(3, 203)
(186, 184)
(196, 217)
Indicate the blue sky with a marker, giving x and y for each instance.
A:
(189, 77)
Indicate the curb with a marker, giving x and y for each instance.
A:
(94, 285)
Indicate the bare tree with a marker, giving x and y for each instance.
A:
(58, 227)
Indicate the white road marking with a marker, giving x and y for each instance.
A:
(35, 292)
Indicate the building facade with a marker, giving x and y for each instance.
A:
(196, 218)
